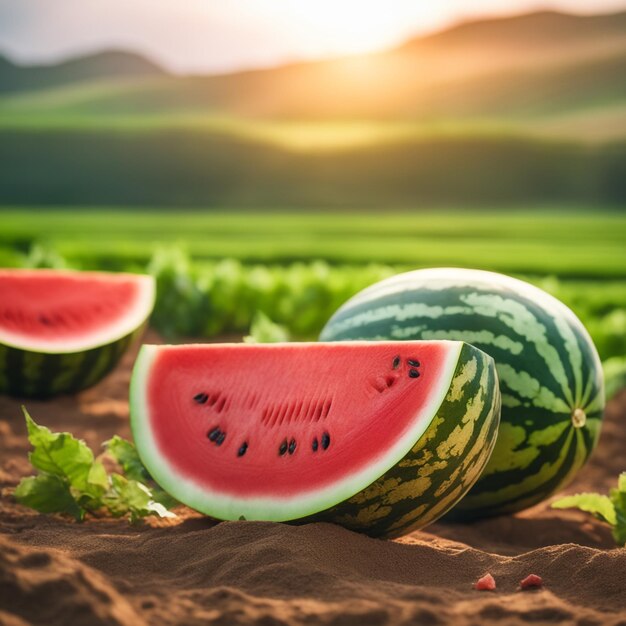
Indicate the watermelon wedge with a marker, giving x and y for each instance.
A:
(62, 331)
(381, 437)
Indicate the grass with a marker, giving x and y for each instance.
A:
(593, 125)
(215, 270)
(180, 168)
(581, 244)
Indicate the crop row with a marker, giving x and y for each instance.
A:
(585, 244)
(211, 298)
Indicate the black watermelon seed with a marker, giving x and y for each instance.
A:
(242, 449)
(325, 440)
(292, 446)
(201, 398)
(413, 363)
(220, 439)
(315, 445)
(413, 373)
(283, 447)
(396, 362)
(213, 434)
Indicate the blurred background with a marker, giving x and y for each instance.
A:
(277, 155)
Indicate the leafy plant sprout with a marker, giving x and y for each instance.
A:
(71, 481)
(610, 509)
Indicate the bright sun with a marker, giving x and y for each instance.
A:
(350, 26)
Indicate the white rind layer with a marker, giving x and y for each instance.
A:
(222, 505)
(133, 318)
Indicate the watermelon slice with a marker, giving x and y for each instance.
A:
(61, 331)
(381, 437)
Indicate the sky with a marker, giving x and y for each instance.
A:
(226, 35)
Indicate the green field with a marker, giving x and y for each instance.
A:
(185, 167)
(215, 270)
(574, 245)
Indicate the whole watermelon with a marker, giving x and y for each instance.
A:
(550, 373)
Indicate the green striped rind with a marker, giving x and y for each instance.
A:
(546, 361)
(28, 374)
(441, 467)
(415, 480)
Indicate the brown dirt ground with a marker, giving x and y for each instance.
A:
(194, 571)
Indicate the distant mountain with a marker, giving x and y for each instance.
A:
(533, 64)
(545, 28)
(489, 45)
(488, 67)
(107, 64)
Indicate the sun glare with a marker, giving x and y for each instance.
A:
(348, 27)
(351, 28)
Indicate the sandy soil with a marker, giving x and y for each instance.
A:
(193, 571)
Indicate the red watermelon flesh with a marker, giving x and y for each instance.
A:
(280, 431)
(67, 311)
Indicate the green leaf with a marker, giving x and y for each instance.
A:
(163, 498)
(263, 330)
(98, 477)
(97, 482)
(135, 498)
(619, 530)
(72, 481)
(125, 453)
(610, 509)
(48, 493)
(59, 454)
(598, 505)
(40, 256)
(618, 498)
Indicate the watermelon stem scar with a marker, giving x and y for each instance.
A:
(381, 437)
(579, 418)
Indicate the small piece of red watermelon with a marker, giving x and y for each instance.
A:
(486, 583)
(532, 581)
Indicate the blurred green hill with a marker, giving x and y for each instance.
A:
(107, 64)
(533, 64)
(526, 109)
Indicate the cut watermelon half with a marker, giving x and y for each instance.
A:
(61, 330)
(381, 437)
